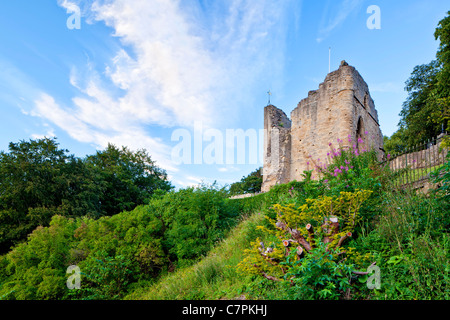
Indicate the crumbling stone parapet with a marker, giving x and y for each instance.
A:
(341, 108)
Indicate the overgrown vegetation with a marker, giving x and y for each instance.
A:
(137, 253)
(248, 184)
(114, 253)
(39, 180)
(404, 233)
(179, 244)
(115, 216)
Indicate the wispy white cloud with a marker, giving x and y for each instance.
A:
(185, 181)
(334, 16)
(171, 71)
(228, 169)
(133, 137)
(49, 134)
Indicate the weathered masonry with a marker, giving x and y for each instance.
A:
(341, 108)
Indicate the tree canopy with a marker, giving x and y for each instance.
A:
(39, 180)
(248, 184)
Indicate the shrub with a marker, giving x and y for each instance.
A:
(195, 219)
(410, 244)
(321, 275)
(442, 177)
(309, 239)
(105, 277)
(351, 168)
(114, 253)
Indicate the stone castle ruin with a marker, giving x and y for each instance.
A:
(340, 109)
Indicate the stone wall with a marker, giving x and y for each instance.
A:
(277, 142)
(341, 108)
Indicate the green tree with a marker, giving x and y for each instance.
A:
(441, 97)
(37, 181)
(396, 143)
(417, 121)
(248, 184)
(127, 178)
(252, 183)
(427, 108)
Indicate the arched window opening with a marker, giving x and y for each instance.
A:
(360, 135)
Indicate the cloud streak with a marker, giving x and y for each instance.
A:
(331, 21)
(176, 65)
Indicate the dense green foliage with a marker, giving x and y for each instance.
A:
(127, 178)
(114, 253)
(426, 110)
(248, 184)
(114, 216)
(406, 234)
(38, 180)
(152, 251)
(417, 113)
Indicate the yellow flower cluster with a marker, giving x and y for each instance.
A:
(330, 220)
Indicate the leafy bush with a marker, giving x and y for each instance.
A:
(36, 269)
(114, 253)
(105, 277)
(249, 184)
(195, 219)
(38, 180)
(442, 177)
(410, 243)
(351, 168)
(321, 275)
(305, 246)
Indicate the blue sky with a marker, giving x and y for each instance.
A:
(138, 70)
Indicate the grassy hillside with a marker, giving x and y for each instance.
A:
(214, 277)
(196, 243)
(404, 233)
(410, 248)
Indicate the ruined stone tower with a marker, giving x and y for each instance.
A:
(340, 109)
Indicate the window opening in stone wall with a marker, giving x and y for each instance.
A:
(360, 134)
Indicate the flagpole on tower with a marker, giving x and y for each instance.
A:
(269, 94)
